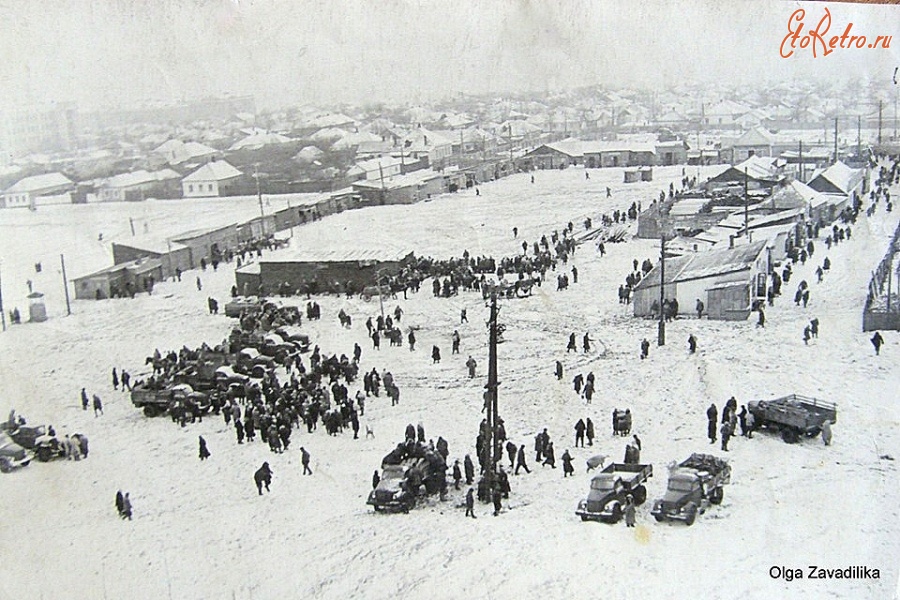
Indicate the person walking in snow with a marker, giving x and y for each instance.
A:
(692, 344)
(98, 405)
(589, 431)
(469, 469)
(435, 355)
(579, 432)
(304, 458)
(550, 457)
(511, 450)
(573, 345)
(126, 506)
(568, 469)
(120, 503)
(470, 503)
(629, 511)
(806, 335)
(115, 379)
(877, 342)
(726, 433)
(457, 474)
(712, 416)
(84, 399)
(826, 432)
(471, 364)
(559, 371)
(520, 463)
(376, 479)
(455, 342)
(263, 476)
(645, 349)
(586, 343)
(239, 429)
(204, 451)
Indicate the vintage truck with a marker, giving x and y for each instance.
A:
(157, 399)
(794, 416)
(610, 487)
(694, 484)
(416, 471)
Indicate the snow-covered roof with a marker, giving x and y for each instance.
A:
(618, 146)
(348, 254)
(705, 264)
(217, 170)
(258, 140)
(177, 151)
(840, 176)
(38, 183)
(140, 177)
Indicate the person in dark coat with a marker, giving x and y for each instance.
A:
(573, 344)
(470, 503)
(304, 458)
(712, 416)
(239, 428)
(589, 431)
(126, 506)
(497, 497)
(411, 338)
(120, 503)
(511, 450)
(520, 462)
(629, 511)
(115, 379)
(645, 349)
(469, 469)
(692, 344)
(263, 476)
(586, 343)
(579, 432)
(204, 451)
(420, 431)
(457, 474)
(98, 405)
(376, 479)
(568, 469)
(411, 432)
(726, 434)
(877, 342)
(84, 400)
(550, 457)
(376, 340)
(577, 382)
(435, 355)
(538, 448)
(559, 371)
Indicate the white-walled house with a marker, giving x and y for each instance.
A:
(210, 180)
(49, 188)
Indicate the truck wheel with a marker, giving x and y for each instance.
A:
(149, 410)
(659, 518)
(640, 495)
(790, 436)
(5, 466)
(716, 496)
(583, 517)
(44, 454)
(377, 508)
(616, 513)
(691, 515)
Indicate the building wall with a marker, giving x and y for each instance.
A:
(328, 276)
(730, 303)
(200, 189)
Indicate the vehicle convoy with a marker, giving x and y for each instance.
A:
(794, 416)
(693, 485)
(156, 400)
(409, 471)
(609, 489)
(39, 441)
(12, 455)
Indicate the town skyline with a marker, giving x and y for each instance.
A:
(106, 54)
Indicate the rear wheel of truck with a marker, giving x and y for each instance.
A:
(716, 496)
(659, 518)
(149, 410)
(584, 517)
(691, 515)
(44, 454)
(640, 495)
(790, 436)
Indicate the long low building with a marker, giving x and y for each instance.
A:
(320, 271)
(727, 281)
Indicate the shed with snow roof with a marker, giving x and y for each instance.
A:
(727, 280)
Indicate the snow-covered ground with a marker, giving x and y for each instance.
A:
(200, 532)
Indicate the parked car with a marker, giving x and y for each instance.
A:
(12, 455)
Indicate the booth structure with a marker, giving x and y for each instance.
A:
(37, 309)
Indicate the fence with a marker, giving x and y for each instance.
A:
(882, 309)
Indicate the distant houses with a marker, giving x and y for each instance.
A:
(37, 190)
(140, 185)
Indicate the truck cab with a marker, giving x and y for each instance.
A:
(609, 489)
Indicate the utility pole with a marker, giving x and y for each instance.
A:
(131, 221)
(858, 137)
(62, 262)
(492, 385)
(2, 313)
(801, 162)
(259, 194)
(661, 336)
(835, 139)
(880, 103)
(746, 206)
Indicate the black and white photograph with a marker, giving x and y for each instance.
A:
(482, 299)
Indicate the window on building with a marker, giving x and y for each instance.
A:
(190, 187)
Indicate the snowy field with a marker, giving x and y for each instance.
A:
(199, 531)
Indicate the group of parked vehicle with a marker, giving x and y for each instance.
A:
(20, 443)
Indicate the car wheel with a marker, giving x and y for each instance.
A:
(5, 466)
(44, 454)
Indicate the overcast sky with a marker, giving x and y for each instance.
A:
(119, 52)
